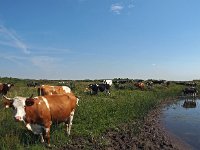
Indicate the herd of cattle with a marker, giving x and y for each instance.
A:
(58, 104)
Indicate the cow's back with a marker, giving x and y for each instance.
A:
(50, 90)
(61, 106)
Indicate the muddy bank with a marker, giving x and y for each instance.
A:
(152, 136)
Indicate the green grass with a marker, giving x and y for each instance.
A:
(94, 115)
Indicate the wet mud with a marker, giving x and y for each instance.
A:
(150, 134)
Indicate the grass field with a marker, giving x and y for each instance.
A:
(94, 115)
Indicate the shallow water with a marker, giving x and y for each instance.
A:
(184, 122)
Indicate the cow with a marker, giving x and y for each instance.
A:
(191, 91)
(149, 84)
(139, 85)
(40, 112)
(168, 83)
(109, 82)
(50, 90)
(158, 81)
(94, 88)
(32, 84)
(5, 87)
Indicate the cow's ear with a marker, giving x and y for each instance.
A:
(8, 103)
(29, 102)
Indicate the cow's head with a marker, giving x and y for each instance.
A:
(10, 85)
(18, 105)
(6, 87)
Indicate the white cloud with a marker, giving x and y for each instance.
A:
(10, 38)
(49, 50)
(116, 8)
(44, 62)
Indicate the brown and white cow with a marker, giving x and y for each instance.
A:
(38, 113)
(5, 87)
(50, 90)
(140, 85)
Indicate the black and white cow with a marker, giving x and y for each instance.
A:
(108, 82)
(33, 84)
(5, 87)
(94, 88)
(191, 91)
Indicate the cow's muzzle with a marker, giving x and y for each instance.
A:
(18, 118)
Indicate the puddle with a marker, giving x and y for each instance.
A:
(183, 119)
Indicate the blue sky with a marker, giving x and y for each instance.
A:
(96, 39)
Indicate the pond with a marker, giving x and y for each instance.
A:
(183, 119)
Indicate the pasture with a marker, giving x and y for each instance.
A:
(95, 115)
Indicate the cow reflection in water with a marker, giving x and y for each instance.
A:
(190, 103)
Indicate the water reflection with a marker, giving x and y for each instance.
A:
(190, 103)
(183, 119)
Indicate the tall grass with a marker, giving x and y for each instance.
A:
(94, 115)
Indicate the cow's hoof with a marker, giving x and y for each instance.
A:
(49, 146)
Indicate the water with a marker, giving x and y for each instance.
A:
(184, 122)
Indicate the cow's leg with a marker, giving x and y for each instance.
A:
(47, 135)
(91, 92)
(69, 122)
(42, 137)
(108, 91)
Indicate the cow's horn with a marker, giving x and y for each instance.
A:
(6, 98)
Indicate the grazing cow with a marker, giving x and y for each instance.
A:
(50, 90)
(149, 84)
(109, 82)
(5, 87)
(191, 84)
(168, 83)
(94, 88)
(140, 85)
(158, 81)
(191, 91)
(40, 112)
(32, 84)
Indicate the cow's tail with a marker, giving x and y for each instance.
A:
(39, 91)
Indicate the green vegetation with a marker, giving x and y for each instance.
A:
(93, 117)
